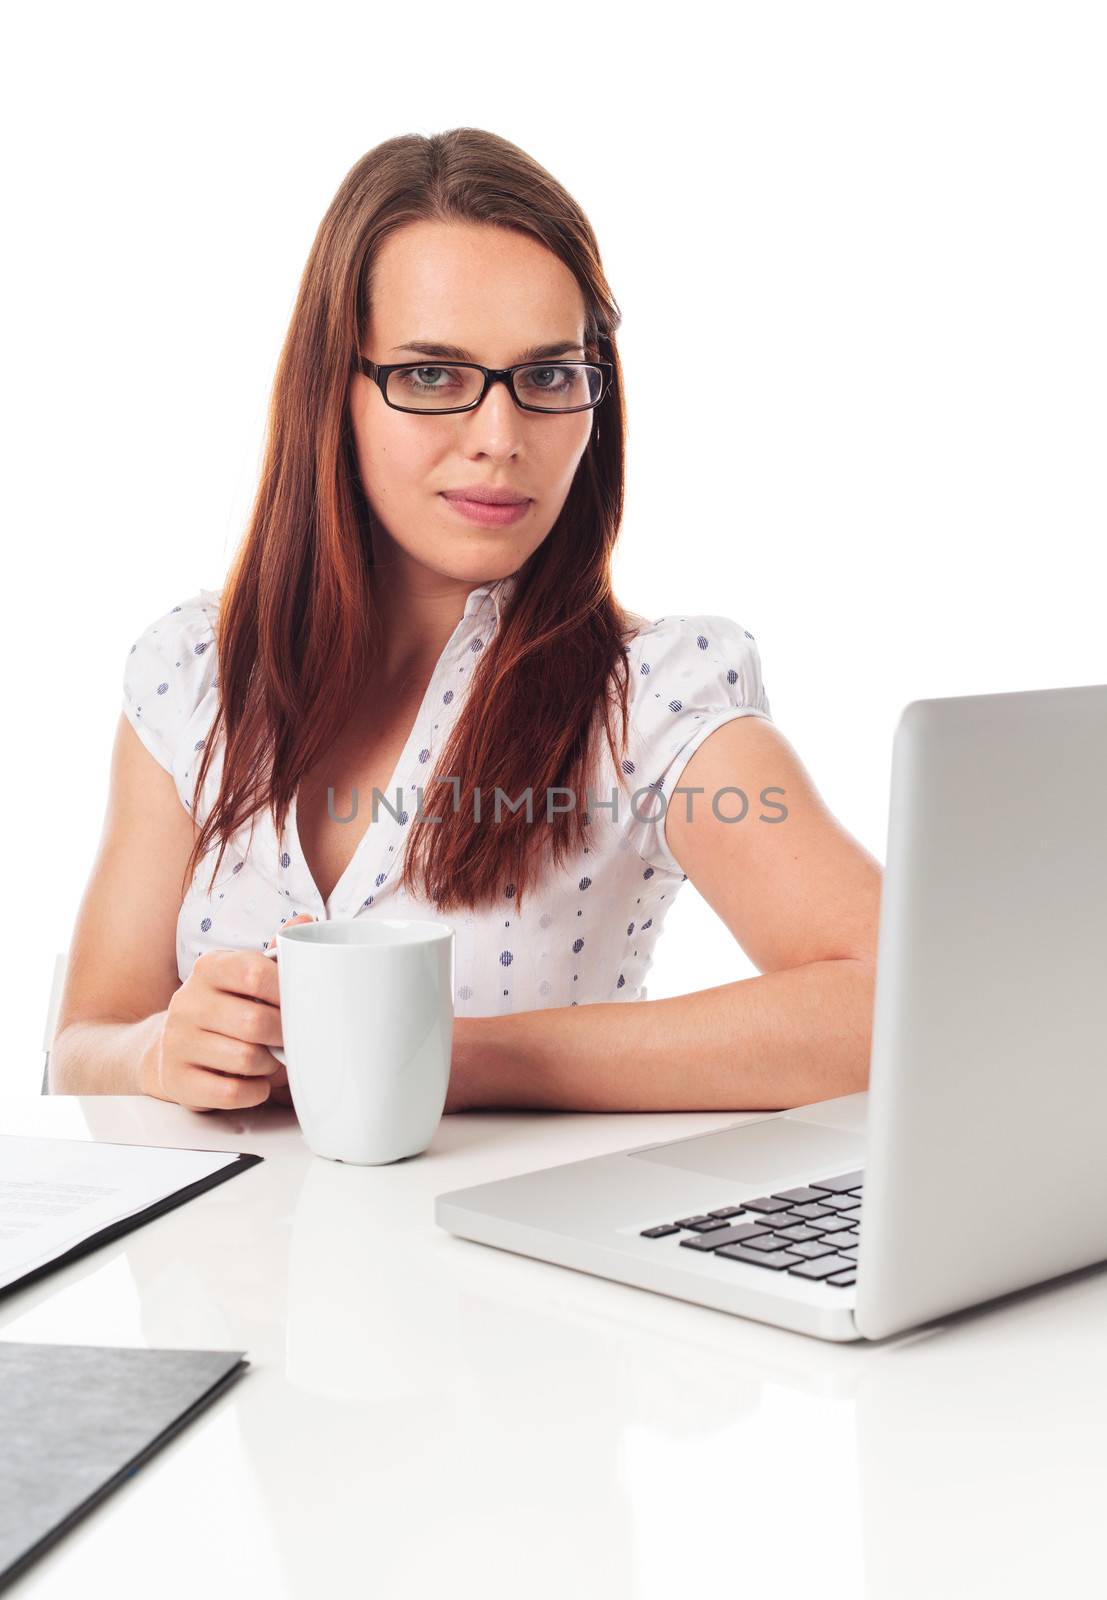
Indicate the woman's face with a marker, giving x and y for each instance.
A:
(496, 295)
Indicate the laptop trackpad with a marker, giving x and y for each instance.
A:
(774, 1151)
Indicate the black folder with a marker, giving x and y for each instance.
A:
(92, 1240)
(78, 1420)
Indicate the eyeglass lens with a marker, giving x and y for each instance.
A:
(439, 388)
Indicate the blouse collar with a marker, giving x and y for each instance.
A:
(497, 593)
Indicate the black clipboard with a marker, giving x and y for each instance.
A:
(156, 1208)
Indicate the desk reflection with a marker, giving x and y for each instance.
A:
(416, 1394)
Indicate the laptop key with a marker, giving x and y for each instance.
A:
(660, 1231)
(690, 1222)
(799, 1231)
(796, 1197)
(813, 1210)
(833, 1224)
(811, 1249)
(844, 1240)
(765, 1203)
(841, 1202)
(842, 1278)
(848, 1180)
(765, 1241)
(707, 1224)
(742, 1232)
(776, 1259)
(725, 1211)
(823, 1267)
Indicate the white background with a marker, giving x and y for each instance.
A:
(860, 252)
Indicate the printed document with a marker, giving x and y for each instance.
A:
(55, 1193)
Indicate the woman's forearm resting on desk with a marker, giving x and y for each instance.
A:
(770, 1042)
(103, 1057)
(781, 1039)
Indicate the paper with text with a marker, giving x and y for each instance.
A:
(54, 1193)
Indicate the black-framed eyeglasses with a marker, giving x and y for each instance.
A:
(440, 387)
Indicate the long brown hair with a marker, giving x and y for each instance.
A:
(295, 632)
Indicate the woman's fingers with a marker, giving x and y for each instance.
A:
(219, 1052)
(301, 916)
(203, 1090)
(229, 1064)
(239, 1017)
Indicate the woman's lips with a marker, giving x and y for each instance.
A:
(489, 516)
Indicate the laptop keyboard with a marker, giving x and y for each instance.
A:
(811, 1232)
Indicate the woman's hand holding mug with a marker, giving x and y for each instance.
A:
(213, 1049)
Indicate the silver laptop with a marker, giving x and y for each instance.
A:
(976, 1163)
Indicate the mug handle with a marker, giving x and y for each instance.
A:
(274, 1049)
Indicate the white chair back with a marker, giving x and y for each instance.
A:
(52, 1015)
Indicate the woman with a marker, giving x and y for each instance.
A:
(422, 607)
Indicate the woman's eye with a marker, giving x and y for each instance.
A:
(419, 376)
(550, 378)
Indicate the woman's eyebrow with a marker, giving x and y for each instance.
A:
(453, 352)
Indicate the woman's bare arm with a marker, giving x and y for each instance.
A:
(802, 898)
(122, 968)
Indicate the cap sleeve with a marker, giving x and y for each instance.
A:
(689, 675)
(169, 682)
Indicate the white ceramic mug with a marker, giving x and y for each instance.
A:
(367, 1018)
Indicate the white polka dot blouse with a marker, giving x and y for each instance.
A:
(587, 931)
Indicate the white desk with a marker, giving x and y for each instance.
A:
(424, 1416)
